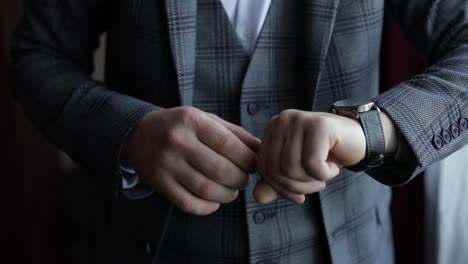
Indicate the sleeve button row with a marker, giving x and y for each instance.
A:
(449, 134)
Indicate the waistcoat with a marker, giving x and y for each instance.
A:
(248, 91)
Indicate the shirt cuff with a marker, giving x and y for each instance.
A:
(130, 178)
(132, 186)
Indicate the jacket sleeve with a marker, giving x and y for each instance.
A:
(52, 62)
(435, 100)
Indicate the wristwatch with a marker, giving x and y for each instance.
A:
(367, 113)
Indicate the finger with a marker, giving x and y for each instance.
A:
(269, 158)
(262, 153)
(273, 154)
(263, 193)
(202, 186)
(224, 142)
(176, 194)
(248, 139)
(299, 187)
(315, 159)
(293, 197)
(291, 156)
(216, 167)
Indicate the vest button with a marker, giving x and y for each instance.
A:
(252, 108)
(259, 217)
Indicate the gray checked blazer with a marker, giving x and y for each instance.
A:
(150, 64)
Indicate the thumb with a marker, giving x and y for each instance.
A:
(264, 193)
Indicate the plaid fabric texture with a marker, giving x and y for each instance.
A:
(151, 63)
(228, 83)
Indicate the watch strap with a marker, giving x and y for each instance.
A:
(375, 141)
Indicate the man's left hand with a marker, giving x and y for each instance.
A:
(302, 150)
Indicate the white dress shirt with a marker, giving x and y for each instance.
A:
(247, 18)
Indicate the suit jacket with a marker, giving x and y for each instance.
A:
(150, 64)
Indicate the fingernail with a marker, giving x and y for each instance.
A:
(301, 199)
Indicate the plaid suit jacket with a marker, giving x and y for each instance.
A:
(150, 64)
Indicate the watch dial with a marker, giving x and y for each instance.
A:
(352, 102)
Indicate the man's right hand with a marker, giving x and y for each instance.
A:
(194, 159)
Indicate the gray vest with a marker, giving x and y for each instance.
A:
(248, 91)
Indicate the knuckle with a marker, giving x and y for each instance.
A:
(188, 114)
(284, 116)
(174, 137)
(218, 170)
(288, 115)
(205, 190)
(287, 112)
(225, 142)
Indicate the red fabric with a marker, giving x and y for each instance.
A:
(399, 63)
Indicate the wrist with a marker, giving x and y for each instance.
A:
(135, 148)
(369, 117)
(391, 133)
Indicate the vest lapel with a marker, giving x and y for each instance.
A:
(182, 23)
(319, 23)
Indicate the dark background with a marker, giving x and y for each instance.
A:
(33, 172)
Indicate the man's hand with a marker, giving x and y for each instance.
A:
(301, 151)
(194, 159)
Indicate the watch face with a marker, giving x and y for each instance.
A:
(359, 105)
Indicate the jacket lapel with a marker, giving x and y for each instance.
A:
(319, 21)
(182, 23)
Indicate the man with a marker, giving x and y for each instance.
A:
(184, 76)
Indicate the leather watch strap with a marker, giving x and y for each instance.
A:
(375, 141)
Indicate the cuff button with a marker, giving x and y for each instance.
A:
(464, 124)
(438, 141)
(455, 129)
(447, 136)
